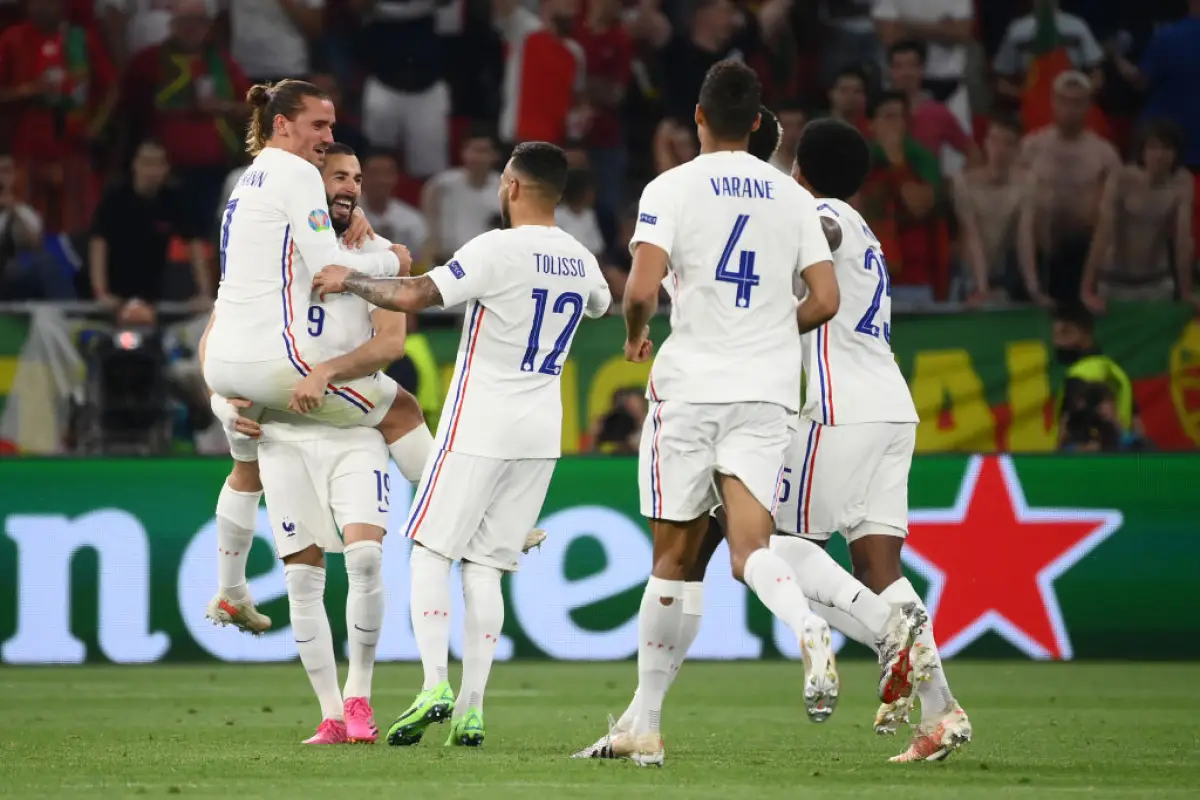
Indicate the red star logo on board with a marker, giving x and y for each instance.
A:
(991, 561)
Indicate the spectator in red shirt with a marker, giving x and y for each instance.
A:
(932, 124)
(56, 93)
(188, 94)
(543, 73)
(608, 56)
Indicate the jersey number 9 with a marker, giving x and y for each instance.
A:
(316, 320)
(566, 303)
(742, 276)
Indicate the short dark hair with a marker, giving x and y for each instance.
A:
(1165, 131)
(544, 164)
(764, 140)
(883, 99)
(339, 149)
(730, 98)
(479, 129)
(909, 46)
(1075, 314)
(1008, 121)
(833, 157)
(853, 71)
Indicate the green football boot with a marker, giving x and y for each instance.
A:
(467, 731)
(432, 705)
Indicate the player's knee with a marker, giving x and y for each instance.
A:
(404, 415)
(311, 556)
(244, 477)
(364, 561)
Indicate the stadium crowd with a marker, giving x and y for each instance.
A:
(1025, 151)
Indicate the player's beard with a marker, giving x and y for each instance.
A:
(341, 226)
(505, 219)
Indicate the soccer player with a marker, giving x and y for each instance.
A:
(734, 238)
(851, 457)
(313, 481)
(275, 234)
(526, 287)
(765, 139)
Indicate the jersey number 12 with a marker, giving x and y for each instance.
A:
(566, 303)
(742, 276)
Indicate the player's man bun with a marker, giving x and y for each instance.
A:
(730, 98)
(269, 100)
(544, 164)
(833, 158)
(765, 139)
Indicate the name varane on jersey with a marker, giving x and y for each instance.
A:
(737, 233)
(851, 375)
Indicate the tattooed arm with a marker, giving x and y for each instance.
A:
(395, 294)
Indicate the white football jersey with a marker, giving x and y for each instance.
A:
(526, 290)
(342, 322)
(275, 235)
(851, 375)
(737, 232)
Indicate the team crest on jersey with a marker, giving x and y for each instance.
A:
(318, 219)
(649, 219)
(456, 269)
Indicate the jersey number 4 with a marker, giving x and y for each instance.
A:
(742, 276)
(566, 303)
(875, 263)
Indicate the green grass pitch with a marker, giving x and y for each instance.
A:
(732, 731)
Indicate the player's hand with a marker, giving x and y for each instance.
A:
(331, 280)
(1094, 302)
(359, 231)
(638, 350)
(405, 260)
(309, 393)
(247, 427)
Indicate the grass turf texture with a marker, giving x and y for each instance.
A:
(733, 731)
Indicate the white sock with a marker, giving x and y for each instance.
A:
(769, 577)
(310, 626)
(481, 631)
(364, 613)
(825, 581)
(659, 639)
(411, 451)
(845, 623)
(237, 517)
(934, 694)
(689, 628)
(430, 608)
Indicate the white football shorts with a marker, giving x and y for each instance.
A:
(269, 384)
(316, 487)
(839, 477)
(684, 446)
(478, 509)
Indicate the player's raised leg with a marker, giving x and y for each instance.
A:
(237, 517)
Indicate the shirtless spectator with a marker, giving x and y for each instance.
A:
(995, 207)
(1132, 253)
(1070, 165)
